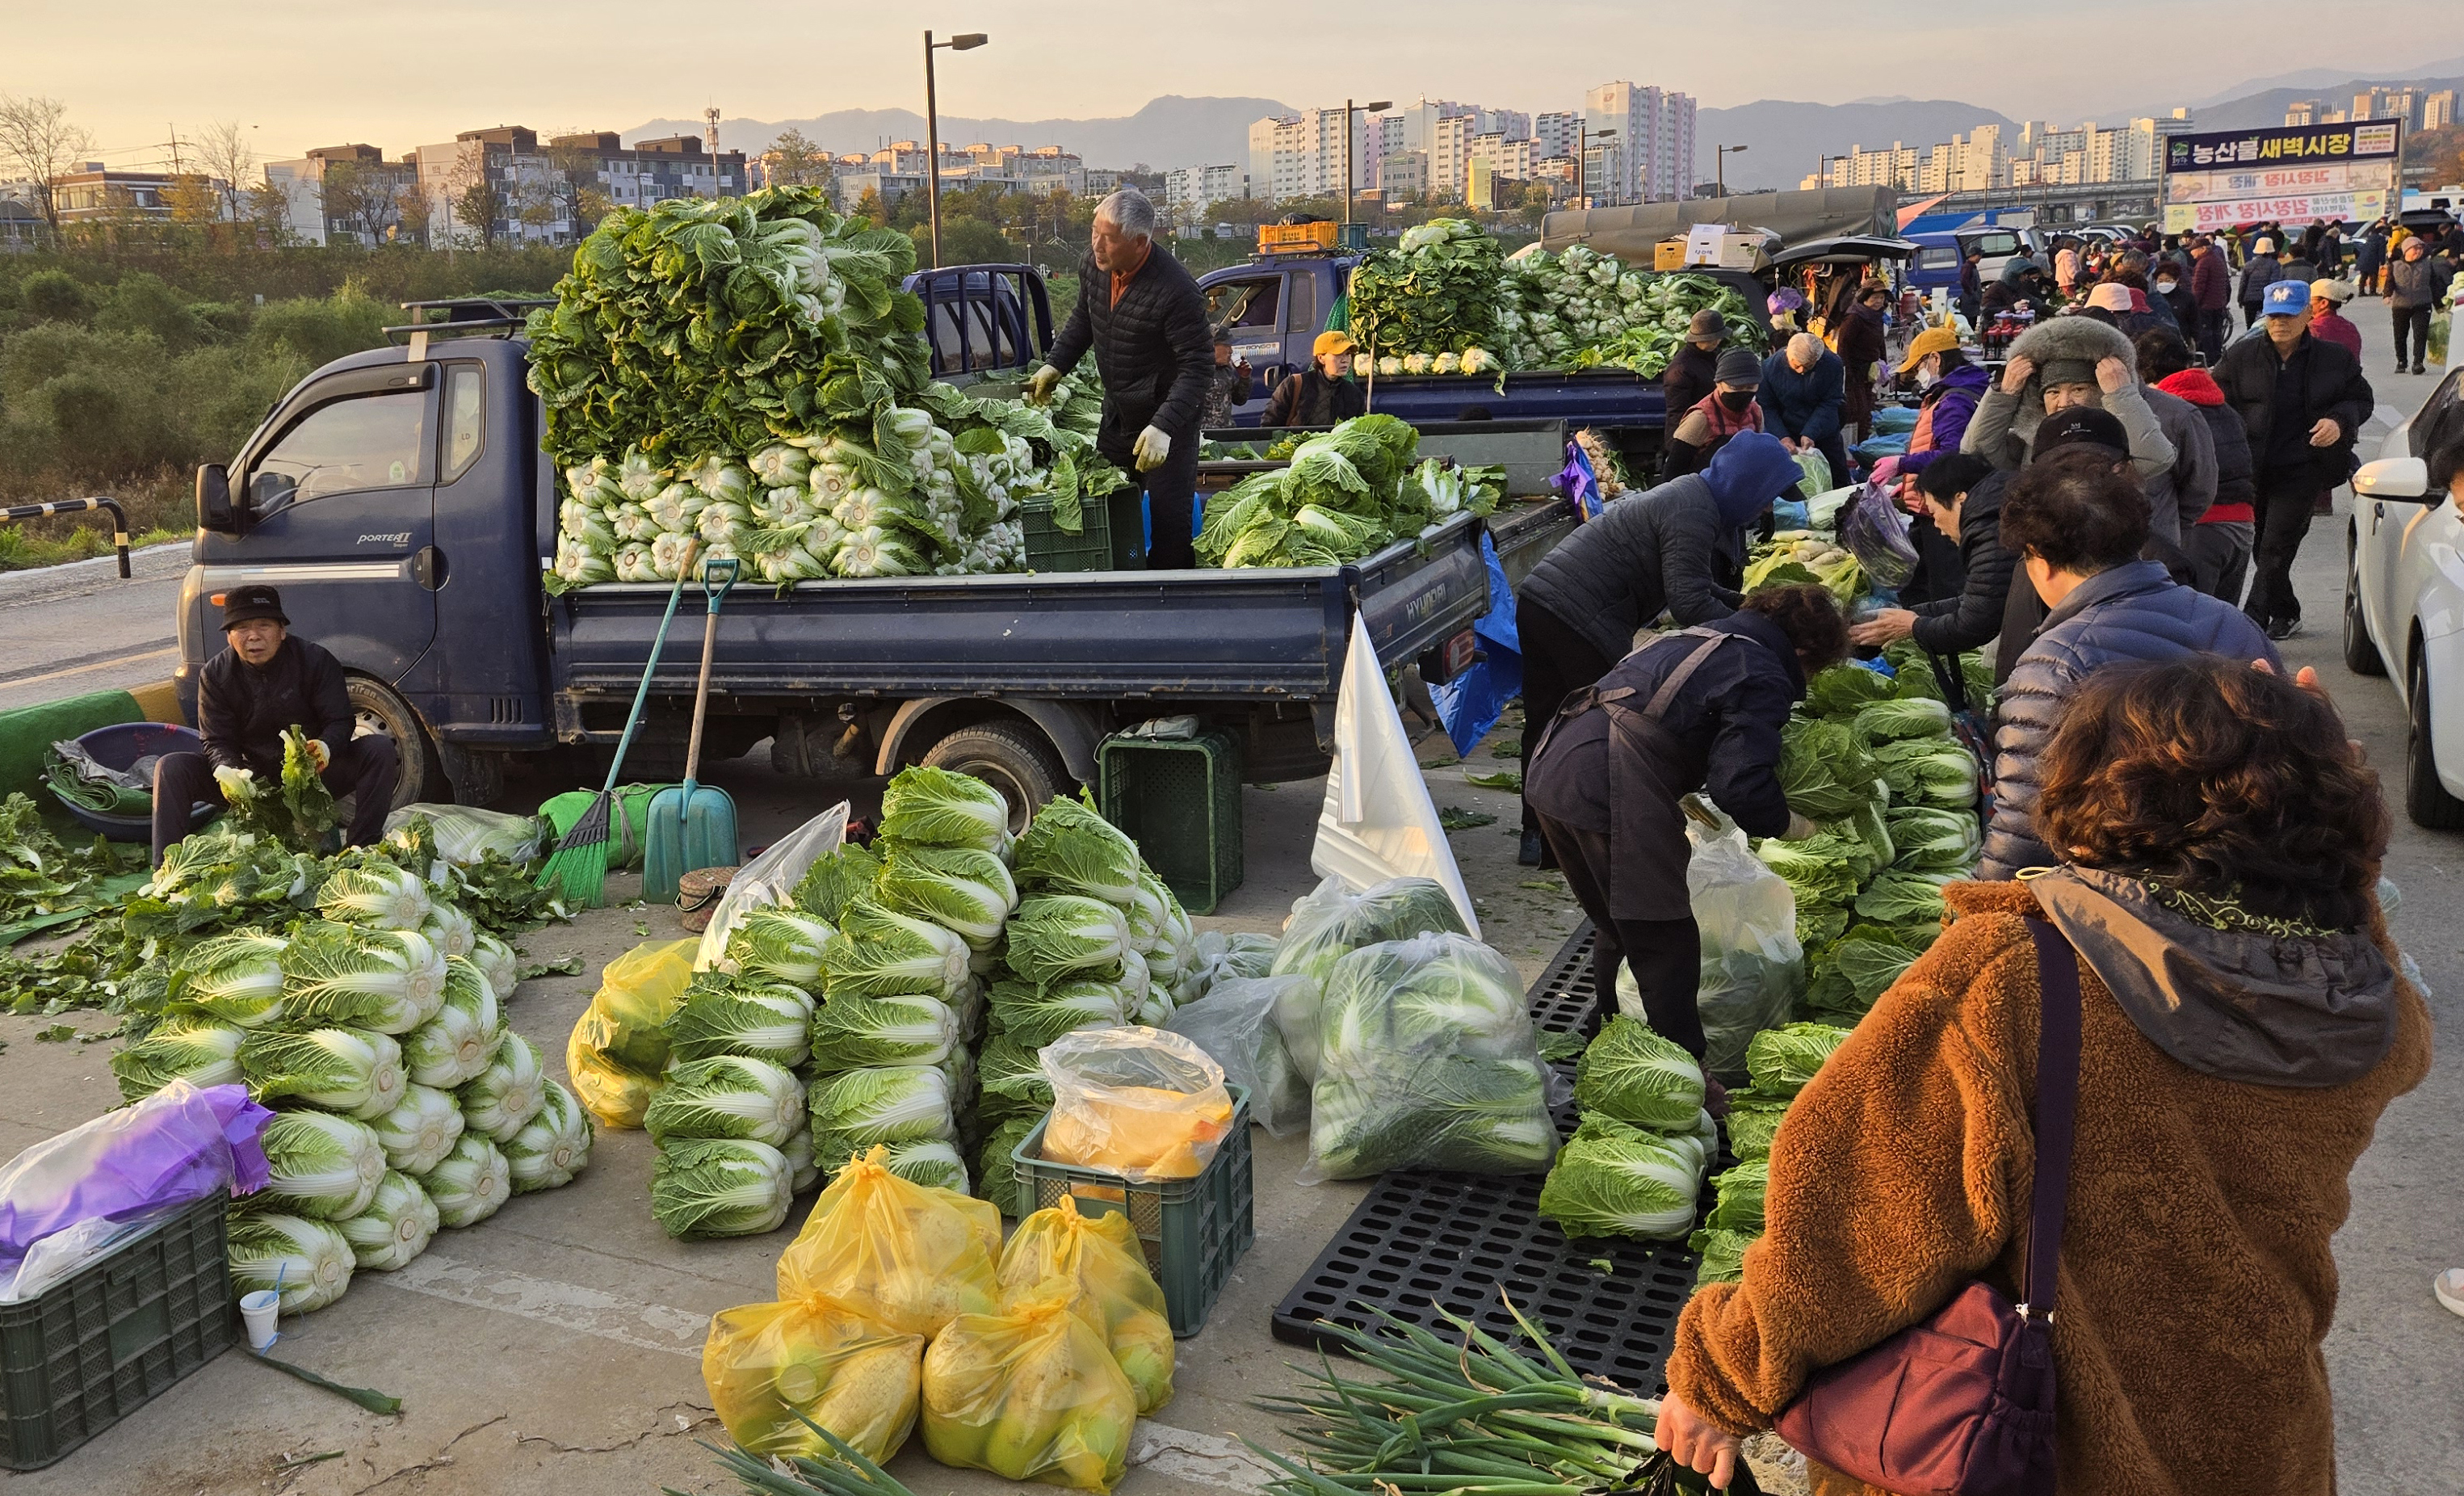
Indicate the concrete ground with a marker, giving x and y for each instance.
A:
(554, 1349)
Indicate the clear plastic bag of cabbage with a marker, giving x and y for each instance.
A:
(1932, 840)
(1899, 897)
(1633, 1075)
(1331, 921)
(913, 1256)
(1219, 957)
(1235, 1024)
(1097, 1260)
(719, 1187)
(1428, 1060)
(728, 1096)
(1030, 1393)
(1928, 771)
(1783, 1060)
(722, 1015)
(1615, 1180)
(773, 1367)
(861, 1033)
(397, 1226)
(1823, 771)
(1752, 966)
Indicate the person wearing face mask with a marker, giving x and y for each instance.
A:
(1728, 410)
(1950, 386)
(2168, 284)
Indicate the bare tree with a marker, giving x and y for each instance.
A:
(39, 143)
(361, 199)
(473, 198)
(414, 210)
(268, 208)
(225, 152)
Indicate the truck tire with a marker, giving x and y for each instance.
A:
(378, 710)
(2425, 799)
(1012, 757)
(2361, 654)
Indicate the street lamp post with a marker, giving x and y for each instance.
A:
(968, 42)
(1583, 161)
(1720, 154)
(1368, 108)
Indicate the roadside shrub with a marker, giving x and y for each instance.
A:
(319, 330)
(144, 302)
(53, 295)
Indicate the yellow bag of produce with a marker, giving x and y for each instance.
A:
(766, 1363)
(1098, 1262)
(1137, 1102)
(910, 1255)
(619, 1047)
(1029, 1394)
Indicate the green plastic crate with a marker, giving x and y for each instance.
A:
(1193, 1230)
(92, 1349)
(1179, 799)
(1051, 548)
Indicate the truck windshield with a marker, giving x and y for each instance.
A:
(375, 441)
(1243, 303)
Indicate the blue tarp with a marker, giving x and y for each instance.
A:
(1470, 704)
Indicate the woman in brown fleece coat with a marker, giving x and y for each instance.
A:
(2243, 1026)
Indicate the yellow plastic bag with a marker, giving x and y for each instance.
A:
(909, 1256)
(1097, 1260)
(766, 1363)
(1031, 1395)
(619, 1047)
(1137, 1102)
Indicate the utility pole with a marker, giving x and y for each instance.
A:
(966, 42)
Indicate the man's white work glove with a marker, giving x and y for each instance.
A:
(1799, 828)
(1151, 448)
(1039, 386)
(320, 754)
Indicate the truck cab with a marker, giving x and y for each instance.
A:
(1277, 304)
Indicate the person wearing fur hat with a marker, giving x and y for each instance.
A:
(2070, 362)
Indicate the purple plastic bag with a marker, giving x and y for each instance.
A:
(177, 1146)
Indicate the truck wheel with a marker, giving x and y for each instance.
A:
(2425, 799)
(1011, 757)
(2361, 655)
(378, 710)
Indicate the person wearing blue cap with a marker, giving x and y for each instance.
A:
(2303, 400)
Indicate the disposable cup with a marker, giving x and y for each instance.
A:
(259, 1311)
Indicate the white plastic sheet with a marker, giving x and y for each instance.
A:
(771, 878)
(1379, 822)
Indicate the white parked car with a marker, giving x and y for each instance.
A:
(2404, 595)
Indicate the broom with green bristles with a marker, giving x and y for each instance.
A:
(578, 869)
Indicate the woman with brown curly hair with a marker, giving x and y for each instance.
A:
(2242, 1026)
(1696, 710)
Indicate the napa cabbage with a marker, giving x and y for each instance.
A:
(719, 1187)
(350, 1070)
(470, 1184)
(417, 1135)
(851, 1033)
(727, 1096)
(720, 1015)
(1633, 1075)
(319, 1165)
(1615, 1180)
(307, 1262)
(397, 1226)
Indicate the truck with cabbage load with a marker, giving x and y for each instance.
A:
(1276, 305)
(401, 500)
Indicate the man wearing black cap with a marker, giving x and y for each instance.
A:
(1694, 369)
(264, 682)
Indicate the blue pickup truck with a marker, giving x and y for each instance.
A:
(1278, 303)
(399, 498)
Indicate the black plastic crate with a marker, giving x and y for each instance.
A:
(1126, 512)
(1179, 799)
(94, 1349)
(1426, 1240)
(1051, 548)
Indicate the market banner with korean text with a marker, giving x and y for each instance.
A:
(2219, 179)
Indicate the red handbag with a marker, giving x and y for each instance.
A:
(1963, 1403)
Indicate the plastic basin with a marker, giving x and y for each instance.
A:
(119, 746)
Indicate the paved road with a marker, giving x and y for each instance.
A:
(69, 629)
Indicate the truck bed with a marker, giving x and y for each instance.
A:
(1585, 396)
(1200, 635)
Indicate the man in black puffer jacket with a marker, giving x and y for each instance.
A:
(1678, 548)
(1141, 314)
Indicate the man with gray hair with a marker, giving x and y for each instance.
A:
(1142, 317)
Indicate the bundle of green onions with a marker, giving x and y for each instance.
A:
(1476, 1417)
(856, 1476)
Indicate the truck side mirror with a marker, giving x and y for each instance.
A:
(214, 509)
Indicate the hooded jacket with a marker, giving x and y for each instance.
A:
(2215, 1139)
(2004, 428)
(2234, 491)
(2134, 612)
(1678, 548)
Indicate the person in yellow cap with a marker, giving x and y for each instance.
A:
(1950, 386)
(1321, 394)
